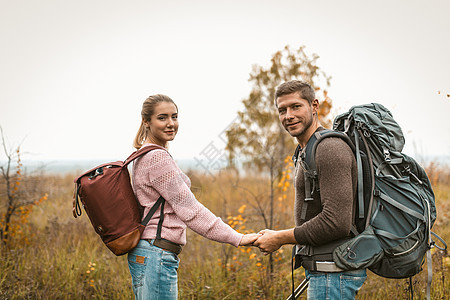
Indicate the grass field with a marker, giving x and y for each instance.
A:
(54, 256)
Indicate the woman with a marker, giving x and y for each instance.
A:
(154, 262)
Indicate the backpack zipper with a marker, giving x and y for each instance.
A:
(406, 251)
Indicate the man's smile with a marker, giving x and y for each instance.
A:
(290, 125)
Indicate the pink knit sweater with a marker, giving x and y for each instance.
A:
(155, 174)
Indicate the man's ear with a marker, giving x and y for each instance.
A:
(315, 106)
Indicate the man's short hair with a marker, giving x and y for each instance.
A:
(303, 88)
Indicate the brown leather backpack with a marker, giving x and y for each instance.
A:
(109, 201)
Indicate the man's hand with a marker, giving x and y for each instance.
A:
(272, 240)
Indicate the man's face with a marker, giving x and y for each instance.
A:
(295, 113)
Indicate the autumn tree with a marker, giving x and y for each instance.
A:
(18, 194)
(257, 135)
(256, 139)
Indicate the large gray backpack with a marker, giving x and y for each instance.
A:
(395, 207)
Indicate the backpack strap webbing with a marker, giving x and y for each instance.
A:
(308, 196)
(296, 153)
(372, 179)
(160, 202)
(360, 185)
(308, 164)
(161, 220)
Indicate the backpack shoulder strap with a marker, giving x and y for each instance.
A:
(161, 201)
(308, 164)
(318, 137)
(141, 152)
(308, 161)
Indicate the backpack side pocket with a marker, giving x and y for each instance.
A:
(360, 252)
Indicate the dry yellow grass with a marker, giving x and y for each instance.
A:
(64, 259)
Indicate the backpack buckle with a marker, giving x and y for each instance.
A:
(97, 172)
(387, 155)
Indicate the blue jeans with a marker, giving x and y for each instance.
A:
(153, 272)
(343, 285)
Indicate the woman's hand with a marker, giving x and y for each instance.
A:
(248, 239)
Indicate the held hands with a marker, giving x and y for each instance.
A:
(271, 240)
(265, 240)
(249, 239)
(268, 242)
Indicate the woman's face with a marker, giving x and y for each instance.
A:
(163, 124)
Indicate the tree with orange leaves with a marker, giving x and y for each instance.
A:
(16, 201)
(257, 139)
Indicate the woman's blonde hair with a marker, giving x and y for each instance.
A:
(148, 108)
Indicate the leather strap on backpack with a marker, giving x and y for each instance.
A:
(141, 152)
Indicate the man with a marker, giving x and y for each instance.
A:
(327, 219)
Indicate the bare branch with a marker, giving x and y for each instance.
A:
(258, 205)
(4, 142)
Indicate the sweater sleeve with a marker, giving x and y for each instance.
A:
(335, 166)
(168, 180)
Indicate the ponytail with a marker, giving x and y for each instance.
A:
(140, 136)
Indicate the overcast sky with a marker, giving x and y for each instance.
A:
(74, 74)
